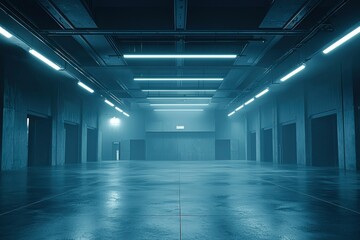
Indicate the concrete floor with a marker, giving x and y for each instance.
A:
(179, 200)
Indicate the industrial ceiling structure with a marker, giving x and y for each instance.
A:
(166, 54)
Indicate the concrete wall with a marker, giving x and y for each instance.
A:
(163, 141)
(323, 89)
(30, 87)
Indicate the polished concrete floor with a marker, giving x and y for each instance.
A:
(179, 200)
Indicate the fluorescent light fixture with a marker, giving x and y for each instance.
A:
(249, 101)
(178, 79)
(178, 110)
(193, 56)
(126, 114)
(262, 93)
(44, 59)
(240, 107)
(230, 114)
(178, 90)
(5, 33)
(85, 87)
(178, 104)
(180, 127)
(178, 98)
(342, 40)
(297, 70)
(114, 121)
(119, 109)
(109, 103)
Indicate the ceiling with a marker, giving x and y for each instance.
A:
(95, 34)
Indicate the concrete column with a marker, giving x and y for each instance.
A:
(83, 134)
(258, 135)
(246, 136)
(58, 131)
(347, 142)
(275, 132)
(301, 128)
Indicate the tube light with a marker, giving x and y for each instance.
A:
(178, 98)
(5, 33)
(297, 70)
(180, 127)
(178, 79)
(85, 87)
(342, 40)
(44, 59)
(240, 107)
(178, 110)
(193, 56)
(126, 114)
(230, 114)
(119, 109)
(178, 90)
(178, 104)
(262, 93)
(109, 103)
(249, 101)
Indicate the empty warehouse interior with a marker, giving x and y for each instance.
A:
(179, 119)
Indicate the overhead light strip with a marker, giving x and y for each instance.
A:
(178, 98)
(230, 114)
(178, 110)
(240, 107)
(5, 33)
(126, 114)
(262, 93)
(44, 59)
(178, 90)
(342, 40)
(292, 73)
(249, 101)
(176, 56)
(179, 104)
(109, 103)
(178, 79)
(90, 90)
(119, 109)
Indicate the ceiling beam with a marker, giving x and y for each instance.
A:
(180, 14)
(162, 33)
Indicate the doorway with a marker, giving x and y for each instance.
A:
(288, 144)
(115, 151)
(39, 141)
(72, 143)
(92, 145)
(267, 145)
(251, 146)
(324, 141)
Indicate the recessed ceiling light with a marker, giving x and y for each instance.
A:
(240, 107)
